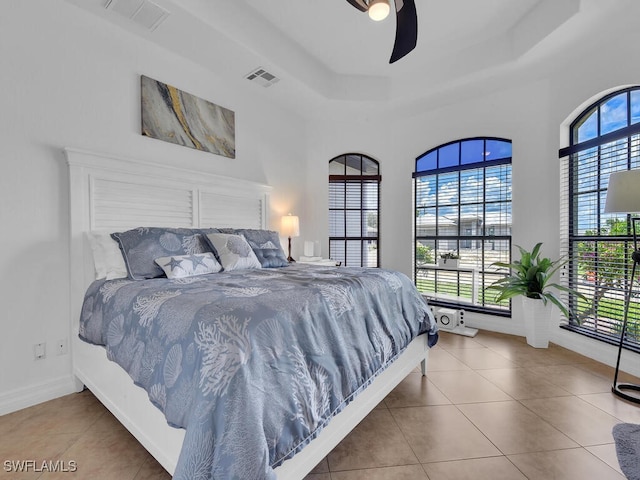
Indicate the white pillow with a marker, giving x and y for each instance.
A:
(107, 257)
(234, 251)
(180, 266)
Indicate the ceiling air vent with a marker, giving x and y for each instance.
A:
(262, 77)
(144, 12)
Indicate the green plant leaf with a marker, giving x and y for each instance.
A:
(530, 277)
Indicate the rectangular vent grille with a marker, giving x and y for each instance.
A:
(262, 77)
(143, 12)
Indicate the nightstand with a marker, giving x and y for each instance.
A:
(325, 262)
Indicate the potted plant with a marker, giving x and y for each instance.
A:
(531, 278)
(449, 259)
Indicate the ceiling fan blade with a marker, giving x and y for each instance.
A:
(406, 29)
(359, 4)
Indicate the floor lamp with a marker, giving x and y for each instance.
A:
(623, 196)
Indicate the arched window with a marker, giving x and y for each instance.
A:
(604, 138)
(354, 205)
(463, 209)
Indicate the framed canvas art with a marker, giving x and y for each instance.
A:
(175, 116)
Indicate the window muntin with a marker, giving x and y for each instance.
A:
(354, 205)
(599, 245)
(463, 204)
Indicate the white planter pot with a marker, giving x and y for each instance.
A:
(537, 322)
(449, 262)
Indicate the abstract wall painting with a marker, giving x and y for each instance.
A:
(175, 116)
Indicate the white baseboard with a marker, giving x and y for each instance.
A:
(34, 394)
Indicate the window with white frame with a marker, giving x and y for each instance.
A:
(604, 138)
(462, 193)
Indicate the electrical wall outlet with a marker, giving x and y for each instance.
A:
(40, 351)
(61, 346)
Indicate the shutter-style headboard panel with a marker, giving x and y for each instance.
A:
(109, 193)
(117, 205)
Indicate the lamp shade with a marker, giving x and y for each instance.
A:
(623, 192)
(378, 9)
(290, 226)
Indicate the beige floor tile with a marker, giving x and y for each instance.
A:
(375, 442)
(607, 372)
(573, 464)
(16, 447)
(152, 470)
(73, 413)
(10, 421)
(105, 453)
(527, 356)
(579, 420)
(481, 358)
(318, 476)
(110, 471)
(621, 409)
(451, 340)
(441, 433)
(498, 341)
(566, 356)
(606, 453)
(573, 379)
(493, 468)
(522, 355)
(467, 387)
(515, 429)
(405, 472)
(322, 467)
(415, 391)
(521, 383)
(442, 360)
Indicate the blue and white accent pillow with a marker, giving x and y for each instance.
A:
(233, 251)
(141, 246)
(180, 266)
(266, 245)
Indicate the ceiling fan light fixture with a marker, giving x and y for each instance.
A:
(379, 10)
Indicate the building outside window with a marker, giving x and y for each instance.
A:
(462, 193)
(604, 138)
(354, 206)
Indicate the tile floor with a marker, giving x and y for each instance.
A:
(490, 408)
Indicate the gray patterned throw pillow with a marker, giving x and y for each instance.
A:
(266, 245)
(233, 251)
(141, 246)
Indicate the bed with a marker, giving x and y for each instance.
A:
(110, 194)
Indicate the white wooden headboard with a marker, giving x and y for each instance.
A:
(110, 193)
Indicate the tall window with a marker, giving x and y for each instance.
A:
(604, 139)
(354, 203)
(463, 208)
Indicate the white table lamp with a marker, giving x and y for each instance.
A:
(290, 227)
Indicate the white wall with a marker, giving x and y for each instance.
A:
(396, 144)
(531, 113)
(70, 79)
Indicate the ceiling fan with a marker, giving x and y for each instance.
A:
(406, 22)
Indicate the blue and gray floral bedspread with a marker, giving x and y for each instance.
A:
(253, 363)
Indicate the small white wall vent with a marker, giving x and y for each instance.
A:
(144, 12)
(262, 77)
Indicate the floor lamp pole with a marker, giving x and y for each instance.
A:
(618, 388)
